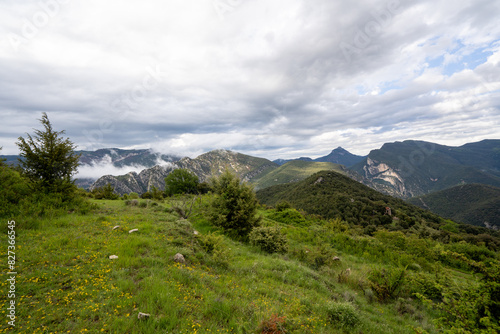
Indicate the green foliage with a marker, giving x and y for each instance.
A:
(294, 171)
(289, 216)
(283, 205)
(19, 201)
(48, 160)
(235, 206)
(154, 193)
(269, 238)
(15, 188)
(215, 246)
(428, 285)
(105, 192)
(474, 308)
(387, 283)
(342, 314)
(469, 203)
(133, 195)
(181, 181)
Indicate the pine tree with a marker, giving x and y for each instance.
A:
(48, 159)
(235, 205)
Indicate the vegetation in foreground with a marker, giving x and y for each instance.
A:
(327, 278)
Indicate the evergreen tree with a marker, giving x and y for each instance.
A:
(48, 159)
(235, 206)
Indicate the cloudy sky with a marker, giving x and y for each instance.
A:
(271, 78)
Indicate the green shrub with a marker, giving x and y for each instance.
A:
(283, 205)
(147, 195)
(289, 216)
(105, 192)
(430, 286)
(133, 195)
(342, 315)
(181, 181)
(387, 283)
(269, 239)
(215, 246)
(234, 207)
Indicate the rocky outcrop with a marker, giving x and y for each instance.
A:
(204, 166)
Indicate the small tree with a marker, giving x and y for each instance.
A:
(105, 192)
(235, 205)
(181, 181)
(49, 160)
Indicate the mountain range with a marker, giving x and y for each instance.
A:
(337, 156)
(414, 168)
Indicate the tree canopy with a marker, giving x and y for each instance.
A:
(48, 159)
(181, 181)
(235, 205)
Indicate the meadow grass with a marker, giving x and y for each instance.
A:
(66, 282)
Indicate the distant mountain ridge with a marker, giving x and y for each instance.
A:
(475, 204)
(204, 166)
(337, 156)
(413, 168)
(120, 158)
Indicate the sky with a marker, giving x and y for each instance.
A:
(273, 78)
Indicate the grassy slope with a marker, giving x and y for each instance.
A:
(66, 283)
(293, 171)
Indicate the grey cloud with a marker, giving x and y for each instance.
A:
(270, 77)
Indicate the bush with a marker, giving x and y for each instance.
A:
(387, 284)
(105, 192)
(181, 181)
(288, 216)
(269, 239)
(133, 195)
(214, 245)
(343, 314)
(283, 205)
(235, 206)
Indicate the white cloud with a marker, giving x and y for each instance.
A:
(105, 167)
(262, 77)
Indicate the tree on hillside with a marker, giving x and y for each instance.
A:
(48, 159)
(181, 181)
(2, 160)
(235, 205)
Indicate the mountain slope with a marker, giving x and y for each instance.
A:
(293, 171)
(332, 195)
(342, 157)
(337, 156)
(120, 158)
(204, 166)
(474, 204)
(413, 168)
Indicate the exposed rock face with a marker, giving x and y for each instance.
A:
(413, 168)
(205, 166)
(385, 178)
